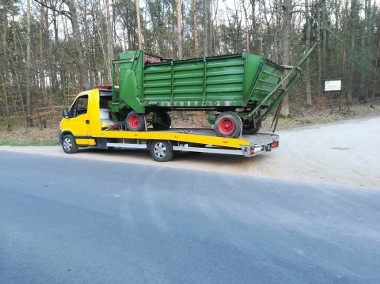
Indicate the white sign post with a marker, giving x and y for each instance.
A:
(334, 86)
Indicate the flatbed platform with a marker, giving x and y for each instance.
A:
(188, 140)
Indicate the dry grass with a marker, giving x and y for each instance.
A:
(315, 115)
(14, 132)
(31, 136)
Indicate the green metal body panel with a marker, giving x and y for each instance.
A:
(246, 81)
(130, 71)
(229, 81)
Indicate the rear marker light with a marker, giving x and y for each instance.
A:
(104, 87)
(275, 144)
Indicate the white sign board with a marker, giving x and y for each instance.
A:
(333, 85)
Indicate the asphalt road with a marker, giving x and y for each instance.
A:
(65, 220)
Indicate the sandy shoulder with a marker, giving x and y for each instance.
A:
(344, 153)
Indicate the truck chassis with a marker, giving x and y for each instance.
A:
(163, 144)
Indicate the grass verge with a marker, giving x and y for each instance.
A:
(29, 137)
(5, 142)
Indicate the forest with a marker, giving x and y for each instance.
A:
(50, 50)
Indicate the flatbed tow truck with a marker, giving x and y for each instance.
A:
(240, 90)
(88, 124)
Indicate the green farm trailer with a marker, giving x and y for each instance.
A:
(238, 91)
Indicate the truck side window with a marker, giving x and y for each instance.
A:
(79, 107)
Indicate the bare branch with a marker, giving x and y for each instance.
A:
(61, 12)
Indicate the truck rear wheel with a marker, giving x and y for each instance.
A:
(161, 151)
(135, 121)
(68, 144)
(228, 124)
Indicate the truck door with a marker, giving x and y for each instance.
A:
(80, 120)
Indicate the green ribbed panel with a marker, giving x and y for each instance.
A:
(196, 83)
(229, 80)
(268, 79)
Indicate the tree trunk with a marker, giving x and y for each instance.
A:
(319, 51)
(246, 28)
(5, 51)
(366, 45)
(213, 26)
(205, 27)
(29, 122)
(254, 31)
(109, 43)
(375, 77)
(324, 38)
(363, 87)
(309, 102)
(353, 24)
(14, 64)
(54, 70)
(196, 36)
(41, 63)
(277, 32)
(87, 44)
(345, 39)
(139, 37)
(83, 77)
(178, 6)
(287, 7)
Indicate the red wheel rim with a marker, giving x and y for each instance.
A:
(226, 126)
(133, 121)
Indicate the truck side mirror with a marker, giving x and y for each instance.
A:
(66, 113)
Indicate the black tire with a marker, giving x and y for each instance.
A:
(161, 151)
(162, 121)
(135, 121)
(69, 145)
(228, 124)
(251, 127)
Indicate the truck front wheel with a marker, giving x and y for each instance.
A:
(135, 121)
(161, 151)
(68, 144)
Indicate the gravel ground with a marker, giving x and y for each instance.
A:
(343, 153)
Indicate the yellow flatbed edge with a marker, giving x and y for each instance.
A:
(173, 136)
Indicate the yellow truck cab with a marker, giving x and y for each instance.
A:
(88, 124)
(83, 119)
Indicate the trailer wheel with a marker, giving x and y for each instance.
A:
(135, 121)
(228, 124)
(69, 145)
(161, 151)
(162, 120)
